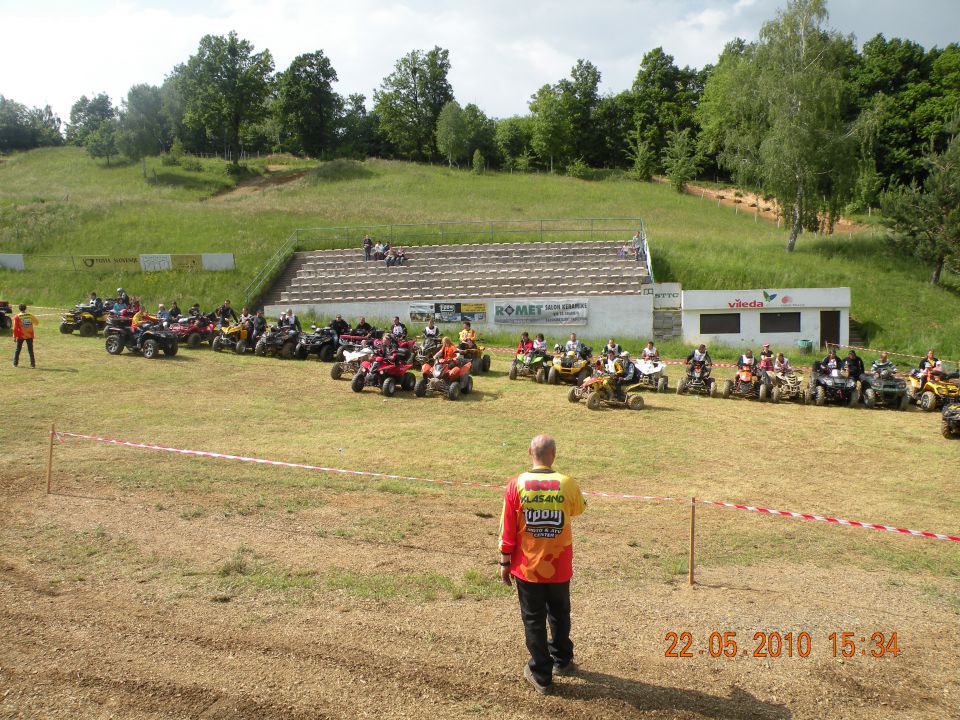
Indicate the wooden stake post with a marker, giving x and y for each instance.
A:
(693, 525)
(53, 434)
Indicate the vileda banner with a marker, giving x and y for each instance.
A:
(127, 263)
(569, 311)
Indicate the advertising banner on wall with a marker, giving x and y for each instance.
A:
(666, 296)
(569, 311)
(125, 263)
(448, 312)
(11, 262)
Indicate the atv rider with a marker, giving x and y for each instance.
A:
(574, 345)
(650, 352)
(831, 362)
(246, 319)
(619, 371)
(468, 336)
(174, 311)
(338, 326)
(782, 365)
(95, 305)
(766, 363)
(699, 355)
(853, 365)
(525, 345)
(290, 320)
(883, 365)
(259, 327)
(447, 351)
(362, 327)
(431, 332)
(398, 329)
(930, 366)
(612, 345)
(225, 313)
(194, 311)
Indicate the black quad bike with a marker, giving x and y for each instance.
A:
(6, 315)
(147, 339)
(950, 421)
(884, 389)
(697, 381)
(831, 386)
(319, 343)
(278, 342)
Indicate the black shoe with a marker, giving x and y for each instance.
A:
(14, 364)
(568, 669)
(540, 688)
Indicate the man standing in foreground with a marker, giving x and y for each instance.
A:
(536, 548)
(23, 332)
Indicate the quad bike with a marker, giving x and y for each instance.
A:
(353, 340)
(746, 384)
(697, 381)
(148, 339)
(532, 364)
(386, 373)
(787, 386)
(319, 343)
(931, 391)
(570, 366)
(6, 322)
(601, 389)
(193, 331)
(950, 421)
(84, 319)
(232, 337)
(424, 352)
(652, 374)
(278, 342)
(884, 389)
(351, 364)
(831, 386)
(448, 377)
(476, 355)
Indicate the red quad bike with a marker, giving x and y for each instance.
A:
(450, 377)
(193, 331)
(385, 373)
(746, 384)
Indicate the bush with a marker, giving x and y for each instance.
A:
(167, 160)
(578, 169)
(479, 164)
(190, 163)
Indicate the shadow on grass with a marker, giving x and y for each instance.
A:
(655, 699)
(189, 182)
(58, 370)
(341, 170)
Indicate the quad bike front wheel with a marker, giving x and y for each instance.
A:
(150, 348)
(241, 347)
(726, 389)
(217, 344)
(88, 328)
(775, 395)
(513, 372)
(764, 394)
(466, 385)
(260, 348)
(114, 345)
(820, 396)
(870, 397)
(300, 352)
(594, 401)
(453, 391)
(552, 377)
(635, 402)
(904, 402)
(389, 387)
(420, 389)
(582, 376)
(336, 370)
(574, 395)
(288, 349)
(946, 430)
(928, 401)
(485, 363)
(171, 348)
(714, 392)
(409, 382)
(326, 353)
(541, 376)
(65, 328)
(358, 382)
(681, 386)
(663, 384)
(854, 398)
(194, 340)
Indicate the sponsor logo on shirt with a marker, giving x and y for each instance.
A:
(544, 523)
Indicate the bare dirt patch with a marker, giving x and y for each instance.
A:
(276, 176)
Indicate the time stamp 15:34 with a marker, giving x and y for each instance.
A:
(775, 644)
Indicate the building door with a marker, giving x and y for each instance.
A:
(829, 327)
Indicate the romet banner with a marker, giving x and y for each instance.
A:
(540, 312)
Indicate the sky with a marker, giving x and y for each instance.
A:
(501, 51)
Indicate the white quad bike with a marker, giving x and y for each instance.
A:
(350, 364)
(652, 374)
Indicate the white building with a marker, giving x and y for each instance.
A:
(779, 316)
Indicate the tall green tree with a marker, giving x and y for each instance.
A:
(409, 101)
(307, 107)
(779, 113)
(925, 221)
(513, 137)
(86, 115)
(142, 129)
(452, 133)
(45, 127)
(102, 142)
(664, 97)
(358, 130)
(551, 127)
(580, 98)
(681, 158)
(225, 87)
(480, 131)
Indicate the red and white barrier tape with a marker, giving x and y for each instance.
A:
(467, 483)
(831, 520)
(342, 471)
(872, 350)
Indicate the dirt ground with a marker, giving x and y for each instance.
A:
(276, 176)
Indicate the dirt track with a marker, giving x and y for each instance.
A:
(111, 607)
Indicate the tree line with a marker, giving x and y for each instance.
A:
(800, 114)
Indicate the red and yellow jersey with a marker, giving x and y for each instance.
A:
(466, 335)
(23, 326)
(535, 525)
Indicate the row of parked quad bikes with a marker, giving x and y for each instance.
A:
(884, 389)
(365, 358)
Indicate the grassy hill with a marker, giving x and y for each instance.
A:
(59, 202)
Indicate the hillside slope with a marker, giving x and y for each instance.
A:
(60, 202)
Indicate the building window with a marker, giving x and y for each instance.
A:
(719, 323)
(772, 322)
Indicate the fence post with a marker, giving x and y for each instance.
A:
(541, 231)
(693, 525)
(53, 434)
(591, 229)
(491, 232)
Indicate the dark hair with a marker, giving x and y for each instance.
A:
(23, 308)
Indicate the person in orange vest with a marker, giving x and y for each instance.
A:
(23, 332)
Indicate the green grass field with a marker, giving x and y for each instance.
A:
(60, 202)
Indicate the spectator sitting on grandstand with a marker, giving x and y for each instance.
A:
(378, 251)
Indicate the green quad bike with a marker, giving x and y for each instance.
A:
(884, 389)
(950, 421)
(534, 364)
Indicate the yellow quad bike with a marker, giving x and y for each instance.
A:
(231, 337)
(932, 392)
(476, 354)
(81, 318)
(570, 366)
(600, 390)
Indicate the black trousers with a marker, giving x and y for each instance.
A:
(16, 354)
(541, 603)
